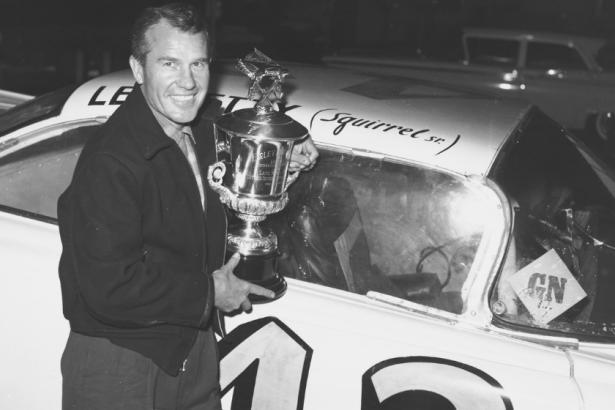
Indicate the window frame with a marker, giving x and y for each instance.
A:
(543, 335)
(33, 137)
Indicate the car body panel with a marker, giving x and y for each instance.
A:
(592, 377)
(36, 337)
(403, 334)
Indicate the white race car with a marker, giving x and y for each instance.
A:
(450, 250)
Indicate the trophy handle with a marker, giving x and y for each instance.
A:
(214, 177)
(215, 173)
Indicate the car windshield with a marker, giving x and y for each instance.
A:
(37, 109)
(559, 273)
(363, 224)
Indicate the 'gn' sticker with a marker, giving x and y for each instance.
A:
(266, 364)
(546, 287)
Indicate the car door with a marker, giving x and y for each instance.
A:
(35, 168)
(387, 264)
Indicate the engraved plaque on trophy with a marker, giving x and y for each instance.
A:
(253, 148)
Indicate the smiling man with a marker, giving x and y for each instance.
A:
(144, 236)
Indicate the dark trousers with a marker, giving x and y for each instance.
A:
(98, 375)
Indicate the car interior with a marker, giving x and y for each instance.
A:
(563, 201)
(361, 224)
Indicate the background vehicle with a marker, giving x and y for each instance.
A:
(569, 77)
(402, 249)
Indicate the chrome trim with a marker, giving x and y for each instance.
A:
(29, 215)
(549, 341)
(507, 212)
(490, 255)
(431, 312)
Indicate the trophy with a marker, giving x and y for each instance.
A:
(251, 175)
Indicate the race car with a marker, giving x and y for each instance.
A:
(449, 250)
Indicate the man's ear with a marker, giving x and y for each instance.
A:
(137, 69)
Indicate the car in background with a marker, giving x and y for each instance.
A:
(450, 250)
(569, 77)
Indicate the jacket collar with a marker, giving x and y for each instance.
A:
(144, 128)
(147, 132)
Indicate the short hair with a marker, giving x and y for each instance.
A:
(182, 16)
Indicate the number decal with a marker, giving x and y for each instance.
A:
(267, 364)
(430, 383)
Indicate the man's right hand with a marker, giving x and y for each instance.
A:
(231, 293)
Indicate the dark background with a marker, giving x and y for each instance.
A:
(48, 44)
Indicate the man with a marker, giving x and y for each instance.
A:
(144, 235)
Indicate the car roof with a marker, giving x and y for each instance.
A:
(592, 43)
(407, 119)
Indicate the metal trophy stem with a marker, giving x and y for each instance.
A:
(253, 148)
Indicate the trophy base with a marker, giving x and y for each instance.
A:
(261, 270)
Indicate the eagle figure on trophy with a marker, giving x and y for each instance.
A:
(268, 77)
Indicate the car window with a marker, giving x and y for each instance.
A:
(606, 57)
(559, 273)
(548, 56)
(37, 168)
(37, 109)
(362, 224)
(494, 52)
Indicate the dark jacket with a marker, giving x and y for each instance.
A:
(138, 251)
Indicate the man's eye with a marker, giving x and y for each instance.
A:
(200, 65)
(169, 64)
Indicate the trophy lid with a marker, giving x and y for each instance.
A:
(262, 122)
(272, 125)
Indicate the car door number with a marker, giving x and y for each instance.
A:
(430, 383)
(267, 365)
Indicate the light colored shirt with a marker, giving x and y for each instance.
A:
(182, 135)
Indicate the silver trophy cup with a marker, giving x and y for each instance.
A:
(253, 148)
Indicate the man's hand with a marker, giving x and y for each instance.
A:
(303, 157)
(231, 293)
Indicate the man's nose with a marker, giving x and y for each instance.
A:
(186, 79)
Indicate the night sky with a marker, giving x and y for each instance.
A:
(32, 12)
(49, 44)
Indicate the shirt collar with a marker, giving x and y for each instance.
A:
(171, 129)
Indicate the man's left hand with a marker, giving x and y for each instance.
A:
(303, 157)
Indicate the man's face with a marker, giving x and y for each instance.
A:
(175, 76)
